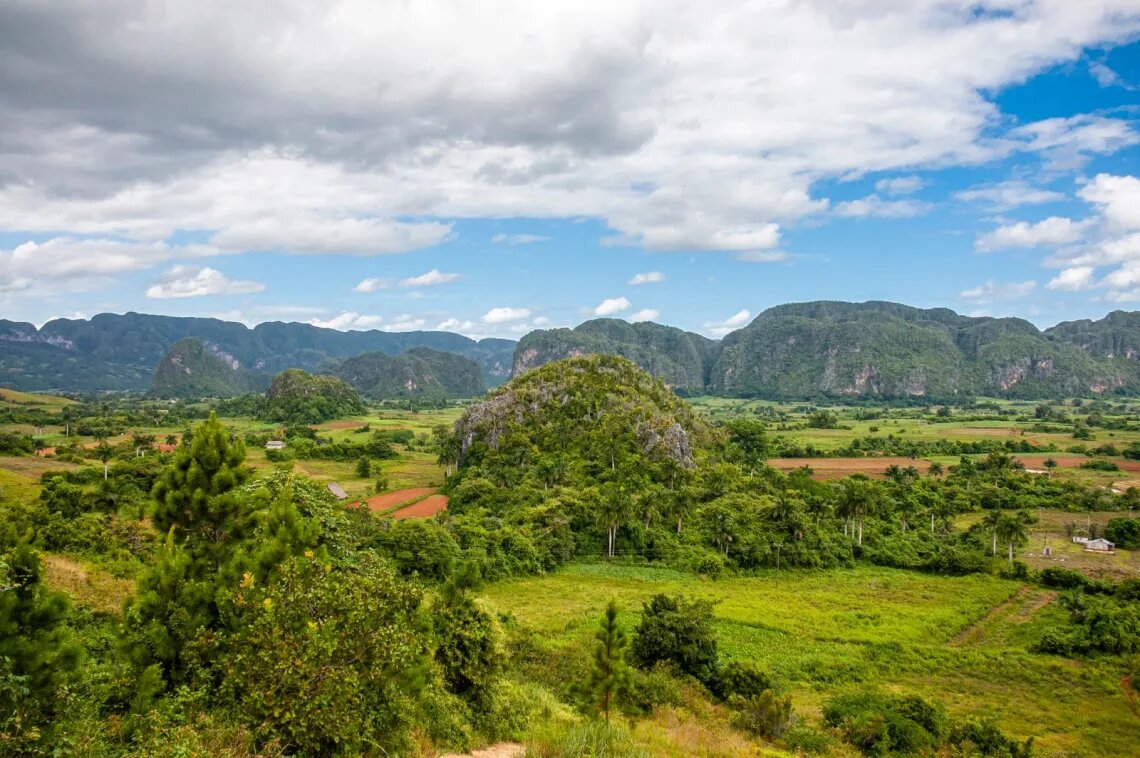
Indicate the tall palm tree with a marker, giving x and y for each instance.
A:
(991, 521)
(1014, 531)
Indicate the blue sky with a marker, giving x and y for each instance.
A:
(493, 170)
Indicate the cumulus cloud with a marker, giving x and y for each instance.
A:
(875, 206)
(1117, 198)
(1055, 230)
(612, 305)
(368, 129)
(428, 279)
(992, 291)
(1005, 196)
(518, 239)
(348, 321)
(730, 324)
(192, 281)
(648, 277)
(1072, 279)
(505, 314)
(372, 284)
(405, 322)
(645, 314)
(899, 185)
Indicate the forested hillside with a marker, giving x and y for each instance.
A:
(121, 352)
(419, 372)
(190, 370)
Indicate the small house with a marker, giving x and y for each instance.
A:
(1079, 540)
(338, 491)
(1100, 545)
(275, 445)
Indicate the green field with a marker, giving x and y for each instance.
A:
(960, 640)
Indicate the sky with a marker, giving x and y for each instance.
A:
(496, 167)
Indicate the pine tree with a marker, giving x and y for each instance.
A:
(610, 676)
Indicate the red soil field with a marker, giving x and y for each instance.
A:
(46, 451)
(425, 508)
(392, 499)
(1072, 461)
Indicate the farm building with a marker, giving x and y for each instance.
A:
(275, 445)
(338, 491)
(1079, 540)
(1100, 545)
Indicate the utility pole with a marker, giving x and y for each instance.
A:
(777, 545)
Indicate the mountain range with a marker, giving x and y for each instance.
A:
(801, 350)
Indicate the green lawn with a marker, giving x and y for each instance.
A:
(961, 640)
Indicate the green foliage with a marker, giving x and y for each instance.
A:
(468, 643)
(189, 370)
(1098, 464)
(740, 678)
(609, 678)
(678, 631)
(329, 661)
(297, 397)
(766, 715)
(35, 656)
(363, 467)
(1123, 532)
(419, 372)
(880, 724)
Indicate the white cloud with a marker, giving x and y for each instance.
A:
(611, 305)
(505, 314)
(899, 185)
(348, 321)
(405, 322)
(433, 277)
(992, 291)
(1117, 198)
(730, 324)
(873, 206)
(192, 281)
(330, 134)
(648, 277)
(1055, 230)
(761, 256)
(1005, 196)
(518, 239)
(372, 284)
(645, 314)
(1072, 279)
(456, 325)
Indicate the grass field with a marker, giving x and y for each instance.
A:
(48, 402)
(962, 641)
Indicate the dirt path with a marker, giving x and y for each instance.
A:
(1130, 694)
(974, 632)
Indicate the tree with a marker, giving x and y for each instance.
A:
(468, 647)
(679, 631)
(935, 469)
(1014, 530)
(35, 658)
(104, 453)
(991, 521)
(1050, 464)
(364, 467)
(609, 678)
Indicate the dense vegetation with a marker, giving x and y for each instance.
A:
(419, 372)
(190, 370)
(120, 352)
(257, 615)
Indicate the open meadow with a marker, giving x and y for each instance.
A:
(959, 640)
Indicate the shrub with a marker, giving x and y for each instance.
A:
(740, 678)
(1100, 465)
(805, 739)
(877, 723)
(1062, 578)
(654, 688)
(1125, 532)
(974, 737)
(767, 715)
(679, 631)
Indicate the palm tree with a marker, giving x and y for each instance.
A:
(935, 469)
(1050, 464)
(991, 521)
(1014, 531)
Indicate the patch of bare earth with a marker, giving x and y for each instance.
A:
(425, 508)
(501, 750)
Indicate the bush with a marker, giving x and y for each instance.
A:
(654, 688)
(766, 715)
(805, 739)
(740, 678)
(1100, 465)
(974, 737)
(1062, 578)
(878, 724)
(1125, 532)
(679, 631)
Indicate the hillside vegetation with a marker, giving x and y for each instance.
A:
(419, 372)
(190, 370)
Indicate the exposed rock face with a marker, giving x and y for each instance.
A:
(190, 369)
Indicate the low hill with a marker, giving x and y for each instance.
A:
(419, 372)
(298, 397)
(191, 370)
(680, 359)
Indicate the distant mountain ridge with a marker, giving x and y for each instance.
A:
(795, 351)
(191, 370)
(418, 372)
(875, 349)
(121, 351)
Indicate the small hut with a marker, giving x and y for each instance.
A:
(338, 491)
(275, 445)
(1100, 545)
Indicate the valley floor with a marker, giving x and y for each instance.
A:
(961, 640)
